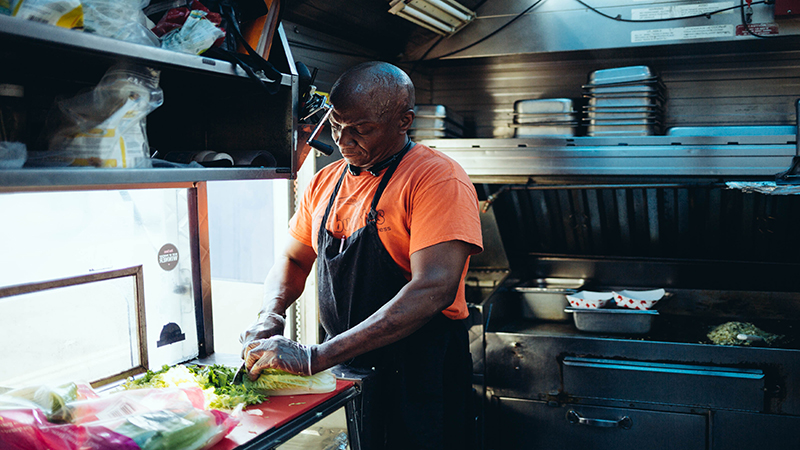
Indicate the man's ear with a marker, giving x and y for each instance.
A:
(406, 120)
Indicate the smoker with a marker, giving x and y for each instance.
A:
(635, 213)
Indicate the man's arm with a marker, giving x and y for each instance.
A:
(283, 285)
(435, 278)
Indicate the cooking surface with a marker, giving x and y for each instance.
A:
(275, 412)
(674, 329)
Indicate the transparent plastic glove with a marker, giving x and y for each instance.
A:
(278, 352)
(265, 326)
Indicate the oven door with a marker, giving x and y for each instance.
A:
(524, 424)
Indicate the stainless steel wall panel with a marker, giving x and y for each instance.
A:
(565, 26)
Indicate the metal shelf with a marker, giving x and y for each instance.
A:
(89, 178)
(48, 35)
(703, 156)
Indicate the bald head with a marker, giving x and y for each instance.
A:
(383, 89)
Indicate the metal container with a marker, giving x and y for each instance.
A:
(547, 298)
(545, 130)
(613, 320)
(544, 105)
(621, 75)
(438, 112)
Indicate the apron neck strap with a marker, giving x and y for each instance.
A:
(373, 213)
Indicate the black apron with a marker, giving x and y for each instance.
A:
(423, 389)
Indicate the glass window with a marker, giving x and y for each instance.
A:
(60, 337)
(55, 235)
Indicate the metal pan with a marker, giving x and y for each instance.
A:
(613, 320)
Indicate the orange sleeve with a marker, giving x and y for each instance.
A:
(446, 211)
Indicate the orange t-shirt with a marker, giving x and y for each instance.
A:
(429, 200)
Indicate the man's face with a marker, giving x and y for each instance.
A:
(363, 137)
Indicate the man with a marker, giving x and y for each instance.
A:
(391, 227)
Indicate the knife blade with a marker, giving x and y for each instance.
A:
(239, 375)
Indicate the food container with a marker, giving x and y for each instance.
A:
(543, 105)
(622, 75)
(754, 130)
(546, 299)
(589, 299)
(641, 300)
(439, 112)
(613, 320)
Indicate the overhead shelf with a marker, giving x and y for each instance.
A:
(701, 156)
(26, 33)
(209, 104)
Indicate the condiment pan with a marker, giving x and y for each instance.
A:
(613, 320)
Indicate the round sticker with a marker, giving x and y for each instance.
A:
(168, 257)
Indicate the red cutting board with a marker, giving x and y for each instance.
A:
(273, 413)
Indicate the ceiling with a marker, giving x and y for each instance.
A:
(366, 23)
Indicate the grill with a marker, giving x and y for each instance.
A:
(722, 254)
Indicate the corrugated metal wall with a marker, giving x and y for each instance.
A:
(757, 88)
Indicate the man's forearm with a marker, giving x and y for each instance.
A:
(283, 285)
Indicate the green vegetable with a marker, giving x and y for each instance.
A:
(213, 379)
(273, 380)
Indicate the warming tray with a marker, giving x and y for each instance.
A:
(613, 320)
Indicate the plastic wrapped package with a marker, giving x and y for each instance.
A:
(104, 127)
(12, 155)
(145, 419)
(196, 35)
(61, 13)
(123, 20)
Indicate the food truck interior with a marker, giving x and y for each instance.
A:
(615, 147)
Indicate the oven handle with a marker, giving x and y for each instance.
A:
(625, 422)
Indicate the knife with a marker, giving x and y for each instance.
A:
(239, 375)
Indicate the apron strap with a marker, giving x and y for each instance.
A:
(330, 202)
(373, 213)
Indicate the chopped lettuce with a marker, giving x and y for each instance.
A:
(213, 380)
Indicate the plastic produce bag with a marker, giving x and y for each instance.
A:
(62, 13)
(144, 419)
(123, 20)
(104, 127)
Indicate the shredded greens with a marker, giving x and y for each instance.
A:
(214, 380)
(726, 334)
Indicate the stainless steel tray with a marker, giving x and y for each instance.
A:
(438, 111)
(435, 123)
(626, 101)
(545, 130)
(621, 75)
(544, 105)
(753, 130)
(613, 320)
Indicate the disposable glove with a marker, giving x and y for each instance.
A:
(278, 352)
(265, 326)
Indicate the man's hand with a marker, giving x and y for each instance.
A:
(277, 352)
(266, 326)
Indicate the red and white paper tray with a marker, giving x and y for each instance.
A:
(642, 300)
(589, 299)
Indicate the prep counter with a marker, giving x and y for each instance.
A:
(278, 419)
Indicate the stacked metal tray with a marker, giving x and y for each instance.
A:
(436, 122)
(624, 101)
(544, 117)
